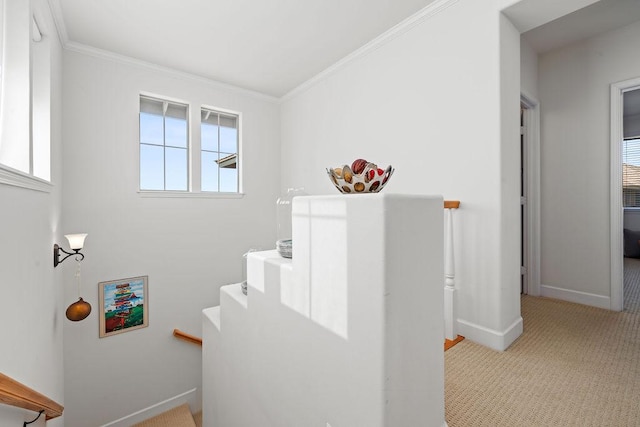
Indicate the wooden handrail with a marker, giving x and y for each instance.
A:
(187, 337)
(451, 204)
(19, 395)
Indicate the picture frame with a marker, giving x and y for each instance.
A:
(124, 305)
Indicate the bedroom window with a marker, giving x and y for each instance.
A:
(164, 145)
(631, 173)
(219, 151)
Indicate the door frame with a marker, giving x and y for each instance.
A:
(532, 135)
(617, 208)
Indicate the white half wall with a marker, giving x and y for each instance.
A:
(428, 101)
(33, 311)
(188, 247)
(574, 90)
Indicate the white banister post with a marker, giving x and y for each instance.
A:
(449, 281)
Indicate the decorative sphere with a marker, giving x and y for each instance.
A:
(79, 310)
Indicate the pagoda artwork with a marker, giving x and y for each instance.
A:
(123, 305)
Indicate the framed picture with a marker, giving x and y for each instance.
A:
(124, 305)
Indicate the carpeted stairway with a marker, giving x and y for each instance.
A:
(177, 417)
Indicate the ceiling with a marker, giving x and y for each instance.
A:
(269, 46)
(597, 18)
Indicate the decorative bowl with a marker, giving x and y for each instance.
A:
(371, 179)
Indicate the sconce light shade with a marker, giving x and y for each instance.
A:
(76, 241)
(79, 310)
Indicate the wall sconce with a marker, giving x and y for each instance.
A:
(80, 309)
(76, 242)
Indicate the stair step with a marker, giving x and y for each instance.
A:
(179, 416)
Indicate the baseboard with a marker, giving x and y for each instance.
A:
(491, 338)
(189, 397)
(584, 298)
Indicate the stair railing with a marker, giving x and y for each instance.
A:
(450, 332)
(187, 337)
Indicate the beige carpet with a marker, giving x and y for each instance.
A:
(176, 417)
(632, 285)
(573, 366)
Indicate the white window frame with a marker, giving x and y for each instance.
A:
(194, 152)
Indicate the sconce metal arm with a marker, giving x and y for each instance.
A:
(56, 255)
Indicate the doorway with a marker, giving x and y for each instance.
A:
(631, 198)
(617, 206)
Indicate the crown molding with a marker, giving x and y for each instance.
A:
(56, 13)
(116, 57)
(386, 37)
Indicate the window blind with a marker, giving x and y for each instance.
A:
(631, 172)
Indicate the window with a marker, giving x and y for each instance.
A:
(219, 154)
(164, 145)
(178, 161)
(25, 113)
(631, 173)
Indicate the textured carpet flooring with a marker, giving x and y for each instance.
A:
(176, 417)
(632, 285)
(573, 366)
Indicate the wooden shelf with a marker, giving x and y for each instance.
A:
(19, 395)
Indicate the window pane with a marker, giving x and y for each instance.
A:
(228, 180)
(151, 106)
(178, 111)
(228, 139)
(176, 163)
(631, 172)
(175, 132)
(151, 129)
(209, 136)
(209, 169)
(151, 167)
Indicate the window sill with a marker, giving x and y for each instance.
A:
(188, 195)
(14, 177)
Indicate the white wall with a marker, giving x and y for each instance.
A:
(426, 101)
(574, 90)
(33, 313)
(509, 108)
(188, 247)
(528, 69)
